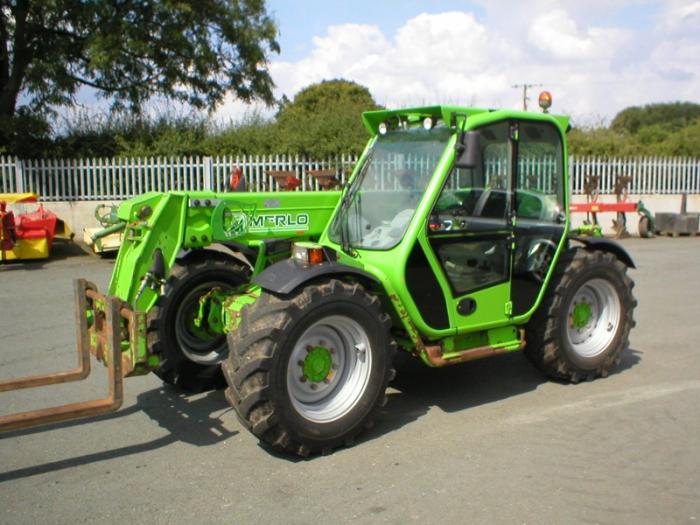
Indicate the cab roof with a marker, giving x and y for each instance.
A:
(372, 119)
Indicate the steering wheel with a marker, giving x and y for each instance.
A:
(481, 202)
(539, 258)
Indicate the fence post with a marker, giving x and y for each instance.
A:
(571, 170)
(19, 176)
(208, 174)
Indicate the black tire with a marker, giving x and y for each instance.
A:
(645, 230)
(557, 338)
(188, 363)
(263, 356)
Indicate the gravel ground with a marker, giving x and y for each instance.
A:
(490, 441)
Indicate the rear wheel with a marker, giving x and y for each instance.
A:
(583, 324)
(192, 354)
(307, 372)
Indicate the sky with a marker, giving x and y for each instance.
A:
(596, 57)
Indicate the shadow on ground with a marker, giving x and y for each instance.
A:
(416, 388)
(186, 418)
(59, 252)
(66, 250)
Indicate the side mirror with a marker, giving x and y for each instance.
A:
(468, 153)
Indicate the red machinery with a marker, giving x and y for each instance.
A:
(29, 235)
(592, 207)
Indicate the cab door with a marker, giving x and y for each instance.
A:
(538, 210)
(470, 233)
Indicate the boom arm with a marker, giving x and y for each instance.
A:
(176, 222)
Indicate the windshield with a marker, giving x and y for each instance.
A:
(382, 198)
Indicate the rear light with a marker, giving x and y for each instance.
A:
(308, 253)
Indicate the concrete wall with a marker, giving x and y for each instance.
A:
(79, 215)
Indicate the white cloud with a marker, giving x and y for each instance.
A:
(556, 33)
(591, 68)
(347, 51)
(682, 17)
(446, 56)
(235, 110)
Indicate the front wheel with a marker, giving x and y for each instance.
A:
(583, 323)
(191, 354)
(307, 372)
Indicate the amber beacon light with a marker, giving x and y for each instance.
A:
(545, 100)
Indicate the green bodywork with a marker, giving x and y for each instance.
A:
(179, 223)
(183, 223)
(317, 364)
(493, 324)
(581, 315)
(588, 230)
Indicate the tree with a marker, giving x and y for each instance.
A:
(324, 119)
(671, 116)
(193, 51)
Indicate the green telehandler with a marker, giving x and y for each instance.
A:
(450, 242)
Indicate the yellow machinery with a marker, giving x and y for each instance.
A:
(29, 235)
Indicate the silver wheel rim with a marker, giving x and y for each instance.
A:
(591, 338)
(194, 348)
(349, 348)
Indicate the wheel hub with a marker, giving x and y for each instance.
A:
(329, 368)
(198, 329)
(581, 315)
(593, 318)
(318, 363)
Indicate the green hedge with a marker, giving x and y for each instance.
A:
(314, 125)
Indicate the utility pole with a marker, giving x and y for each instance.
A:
(525, 88)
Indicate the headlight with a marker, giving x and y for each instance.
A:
(308, 253)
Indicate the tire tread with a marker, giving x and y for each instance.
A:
(175, 369)
(544, 348)
(263, 330)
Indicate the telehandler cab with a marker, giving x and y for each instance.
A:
(450, 242)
